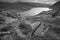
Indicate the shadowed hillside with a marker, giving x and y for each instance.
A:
(56, 5)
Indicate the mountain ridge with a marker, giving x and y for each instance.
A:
(21, 5)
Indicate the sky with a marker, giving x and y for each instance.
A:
(35, 1)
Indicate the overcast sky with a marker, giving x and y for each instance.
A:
(36, 1)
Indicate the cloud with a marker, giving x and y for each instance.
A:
(35, 1)
(41, 1)
(9, 0)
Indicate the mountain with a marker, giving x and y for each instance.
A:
(56, 5)
(22, 6)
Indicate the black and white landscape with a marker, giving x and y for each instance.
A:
(29, 21)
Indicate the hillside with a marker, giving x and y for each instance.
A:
(22, 6)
